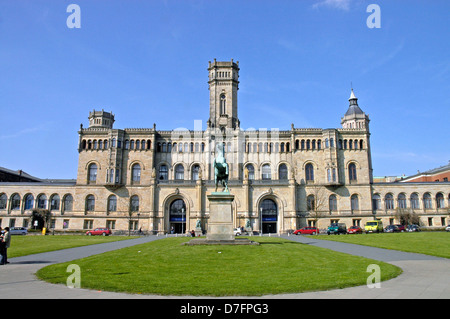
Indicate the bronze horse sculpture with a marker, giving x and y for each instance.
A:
(221, 169)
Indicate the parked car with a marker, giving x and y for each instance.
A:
(306, 231)
(99, 231)
(401, 228)
(237, 232)
(354, 230)
(413, 228)
(337, 228)
(373, 226)
(447, 228)
(18, 231)
(391, 229)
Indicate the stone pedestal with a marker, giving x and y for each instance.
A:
(220, 224)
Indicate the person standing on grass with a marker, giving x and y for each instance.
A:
(2, 244)
(6, 242)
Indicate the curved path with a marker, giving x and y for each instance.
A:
(423, 276)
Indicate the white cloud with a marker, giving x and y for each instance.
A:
(338, 4)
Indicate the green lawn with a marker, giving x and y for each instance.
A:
(166, 267)
(429, 243)
(27, 245)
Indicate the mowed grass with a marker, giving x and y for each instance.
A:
(429, 243)
(27, 245)
(165, 267)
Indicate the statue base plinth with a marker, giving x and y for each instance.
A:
(220, 224)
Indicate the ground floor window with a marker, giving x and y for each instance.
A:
(88, 224)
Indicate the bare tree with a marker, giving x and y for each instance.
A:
(317, 202)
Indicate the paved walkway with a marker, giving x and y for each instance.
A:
(423, 276)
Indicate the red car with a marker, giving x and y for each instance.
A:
(401, 228)
(354, 230)
(99, 231)
(307, 231)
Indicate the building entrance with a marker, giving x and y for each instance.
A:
(269, 216)
(177, 217)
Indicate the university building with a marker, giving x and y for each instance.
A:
(158, 181)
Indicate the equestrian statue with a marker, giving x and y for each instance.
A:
(221, 168)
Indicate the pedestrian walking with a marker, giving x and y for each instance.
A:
(6, 242)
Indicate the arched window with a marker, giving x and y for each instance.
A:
(282, 172)
(376, 202)
(127, 144)
(134, 203)
(92, 173)
(401, 200)
(15, 202)
(68, 203)
(163, 173)
(179, 172)
(112, 203)
(251, 172)
(195, 172)
(42, 201)
(3, 201)
(427, 204)
(310, 203)
(352, 172)
(389, 201)
(136, 173)
(266, 172)
(309, 170)
(54, 202)
(440, 203)
(90, 203)
(29, 202)
(223, 104)
(414, 201)
(332, 203)
(355, 202)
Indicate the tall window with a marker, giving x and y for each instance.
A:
(309, 172)
(251, 172)
(389, 201)
(68, 203)
(195, 172)
(266, 172)
(310, 202)
(3, 201)
(179, 172)
(283, 172)
(355, 202)
(90, 203)
(401, 200)
(29, 202)
(352, 172)
(136, 173)
(414, 200)
(134, 203)
(54, 202)
(223, 104)
(427, 201)
(332, 203)
(112, 203)
(42, 201)
(92, 173)
(376, 202)
(331, 174)
(163, 173)
(440, 200)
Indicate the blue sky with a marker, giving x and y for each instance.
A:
(146, 61)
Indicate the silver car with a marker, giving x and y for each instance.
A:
(18, 231)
